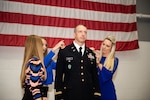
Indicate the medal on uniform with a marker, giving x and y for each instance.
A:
(69, 66)
(90, 56)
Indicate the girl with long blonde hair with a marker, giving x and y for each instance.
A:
(33, 71)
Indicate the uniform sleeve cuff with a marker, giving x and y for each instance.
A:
(59, 92)
(96, 93)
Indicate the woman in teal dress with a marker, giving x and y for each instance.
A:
(107, 64)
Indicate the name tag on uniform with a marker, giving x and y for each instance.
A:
(69, 59)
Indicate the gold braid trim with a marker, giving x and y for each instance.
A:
(96, 93)
(59, 92)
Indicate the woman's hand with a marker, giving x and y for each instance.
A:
(60, 44)
(99, 66)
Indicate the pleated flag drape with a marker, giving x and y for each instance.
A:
(56, 19)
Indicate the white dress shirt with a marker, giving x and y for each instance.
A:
(77, 46)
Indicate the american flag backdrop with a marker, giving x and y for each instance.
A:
(56, 19)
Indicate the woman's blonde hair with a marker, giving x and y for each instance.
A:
(109, 62)
(33, 47)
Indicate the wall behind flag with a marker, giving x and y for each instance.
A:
(143, 21)
(56, 20)
(131, 81)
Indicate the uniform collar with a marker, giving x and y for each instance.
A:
(77, 46)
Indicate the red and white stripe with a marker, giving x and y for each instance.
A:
(56, 19)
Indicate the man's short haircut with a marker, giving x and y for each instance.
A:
(79, 25)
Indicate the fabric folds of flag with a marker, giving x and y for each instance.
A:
(56, 19)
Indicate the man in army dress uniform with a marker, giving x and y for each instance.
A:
(76, 74)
